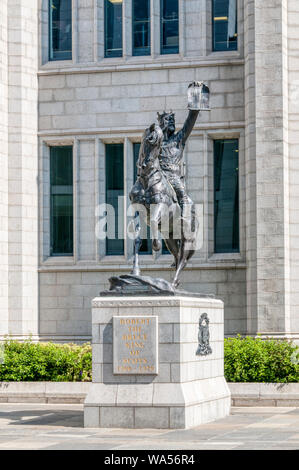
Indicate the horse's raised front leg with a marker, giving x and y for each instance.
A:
(155, 220)
(182, 263)
(137, 245)
(173, 247)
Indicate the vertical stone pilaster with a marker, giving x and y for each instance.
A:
(293, 116)
(250, 163)
(22, 167)
(3, 170)
(267, 167)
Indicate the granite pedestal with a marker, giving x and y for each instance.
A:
(146, 369)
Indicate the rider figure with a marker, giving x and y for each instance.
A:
(172, 152)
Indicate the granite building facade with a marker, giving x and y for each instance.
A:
(80, 80)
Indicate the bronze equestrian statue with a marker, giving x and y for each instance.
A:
(159, 194)
(160, 185)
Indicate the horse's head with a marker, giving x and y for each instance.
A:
(154, 135)
(151, 146)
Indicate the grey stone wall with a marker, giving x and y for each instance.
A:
(91, 101)
(65, 297)
(3, 170)
(91, 109)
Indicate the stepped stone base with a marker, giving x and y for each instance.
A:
(187, 391)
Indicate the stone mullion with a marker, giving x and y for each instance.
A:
(75, 46)
(76, 202)
(127, 29)
(128, 183)
(102, 192)
(155, 28)
(182, 28)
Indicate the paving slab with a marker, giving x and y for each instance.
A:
(54, 426)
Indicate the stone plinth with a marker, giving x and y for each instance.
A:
(188, 389)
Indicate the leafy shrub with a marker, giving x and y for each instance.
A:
(29, 361)
(245, 360)
(256, 360)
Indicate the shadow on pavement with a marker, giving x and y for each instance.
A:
(65, 418)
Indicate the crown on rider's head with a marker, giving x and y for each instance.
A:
(162, 116)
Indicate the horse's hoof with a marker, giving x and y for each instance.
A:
(157, 245)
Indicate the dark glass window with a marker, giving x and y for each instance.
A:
(165, 250)
(141, 27)
(60, 29)
(114, 189)
(113, 28)
(61, 197)
(146, 245)
(169, 13)
(225, 36)
(226, 196)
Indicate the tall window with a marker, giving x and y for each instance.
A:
(226, 196)
(169, 14)
(61, 197)
(146, 245)
(225, 36)
(141, 27)
(113, 28)
(60, 29)
(114, 190)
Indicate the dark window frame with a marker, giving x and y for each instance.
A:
(146, 50)
(174, 49)
(58, 55)
(112, 53)
(110, 251)
(235, 246)
(234, 43)
(146, 245)
(60, 190)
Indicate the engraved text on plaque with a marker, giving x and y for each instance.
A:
(135, 345)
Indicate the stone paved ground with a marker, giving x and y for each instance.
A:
(32, 426)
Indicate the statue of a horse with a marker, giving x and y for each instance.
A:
(155, 194)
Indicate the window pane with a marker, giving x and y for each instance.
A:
(61, 208)
(226, 196)
(169, 11)
(146, 246)
(114, 189)
(141, 27)
(165, 250)
(60, 29)
(225, 37)
(113, 28)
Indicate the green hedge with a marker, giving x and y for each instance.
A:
(256, 360)
(245, 360)
(45, 361)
